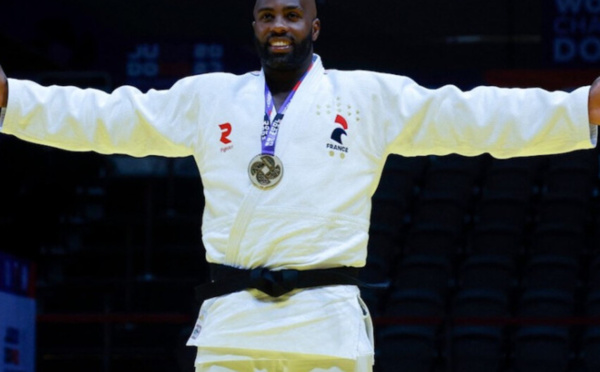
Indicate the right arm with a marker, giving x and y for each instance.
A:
(125, 121)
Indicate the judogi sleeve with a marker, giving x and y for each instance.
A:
(503, 122)
(125, 121)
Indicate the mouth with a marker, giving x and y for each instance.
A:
(280, 45)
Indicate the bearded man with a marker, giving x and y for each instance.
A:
(288, 203)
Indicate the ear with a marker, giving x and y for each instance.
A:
(316, 29)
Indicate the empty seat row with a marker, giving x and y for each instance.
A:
(490, 349)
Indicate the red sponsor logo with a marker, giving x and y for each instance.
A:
(226, 130)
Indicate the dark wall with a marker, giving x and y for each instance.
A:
(435, 41)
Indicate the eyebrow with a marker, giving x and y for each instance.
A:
(289, 7)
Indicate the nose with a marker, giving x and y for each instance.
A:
(280, 25)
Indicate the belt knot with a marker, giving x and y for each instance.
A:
(273, 283)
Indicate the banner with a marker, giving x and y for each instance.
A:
(17, 315)
(572, 32)
(159, 65)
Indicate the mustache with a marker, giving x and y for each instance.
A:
(281, 36)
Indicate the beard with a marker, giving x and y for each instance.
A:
(285, 61)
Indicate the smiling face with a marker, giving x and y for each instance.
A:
(284, 32)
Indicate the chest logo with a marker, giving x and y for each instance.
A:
(338, 132)
(226, 130)
(336, 136)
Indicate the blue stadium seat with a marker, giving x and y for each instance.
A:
(593, 274)
(503, 207)
(558, 239)
(407, 348)
(453, 174)
(402, 175)
(488, 271)
(481, 303)
(590, 348)
(551, 272)
(442, 208)
(477, 349)
(546, 303)
(415, 303)
(542, 349)
(388, 212)
(410, 339)
(502, 239)
(571, 173)
(478, 333)
(515, 176)
(431, 272)
(562, 208)
(431, 239)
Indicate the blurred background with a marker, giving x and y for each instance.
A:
(493, 264)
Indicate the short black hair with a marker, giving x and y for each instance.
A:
(320, 6)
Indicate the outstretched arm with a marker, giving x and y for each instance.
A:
(3, 88)
(594, 102)
(124, 121)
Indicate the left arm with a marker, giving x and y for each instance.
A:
(3, 89)
(594, 103)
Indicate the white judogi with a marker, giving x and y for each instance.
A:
(333, 142)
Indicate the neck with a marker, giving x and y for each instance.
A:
(281, 82)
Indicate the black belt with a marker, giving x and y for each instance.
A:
(227, 279)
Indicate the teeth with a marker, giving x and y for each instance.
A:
(279, 43)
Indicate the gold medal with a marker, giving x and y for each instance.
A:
(265, 171)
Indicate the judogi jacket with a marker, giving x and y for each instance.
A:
(333, 142)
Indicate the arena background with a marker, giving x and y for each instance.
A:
(493, 264)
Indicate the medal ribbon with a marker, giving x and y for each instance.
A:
(271, 128)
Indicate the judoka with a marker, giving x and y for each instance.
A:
(289, 158)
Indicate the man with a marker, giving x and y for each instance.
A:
(289, 158)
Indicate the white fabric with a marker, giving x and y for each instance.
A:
(2, 114)
(261, 361)
(318, 216)
(321, 321)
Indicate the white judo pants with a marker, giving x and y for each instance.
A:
(208, 361)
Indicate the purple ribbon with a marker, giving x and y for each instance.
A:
(271, 128)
